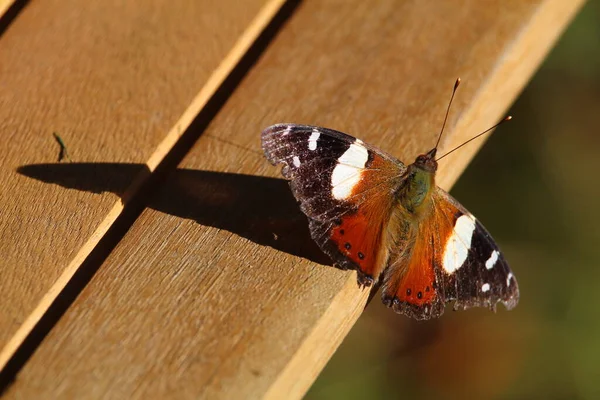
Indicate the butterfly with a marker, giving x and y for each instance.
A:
(388, 221)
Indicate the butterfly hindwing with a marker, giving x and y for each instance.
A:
(340, 183)
(353, 240)
(413, 281)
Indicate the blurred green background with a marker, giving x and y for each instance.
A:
(535, 186)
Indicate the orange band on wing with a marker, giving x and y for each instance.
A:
(356, 241)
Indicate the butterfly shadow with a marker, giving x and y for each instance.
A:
(257, 208)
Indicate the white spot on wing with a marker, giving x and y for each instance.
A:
(489, 264)
(485, 287)
(508, 278)
(312, 140)
(287, 130)
(296, 161)
(347, 173)
(459, 243)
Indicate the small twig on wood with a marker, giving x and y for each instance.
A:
(63, 153)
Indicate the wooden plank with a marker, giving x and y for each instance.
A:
(111, 79)
(216, 291)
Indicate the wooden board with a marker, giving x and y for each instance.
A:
(112, 79)
(217, 290)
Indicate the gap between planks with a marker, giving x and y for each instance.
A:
(242, 46)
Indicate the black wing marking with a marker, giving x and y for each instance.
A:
(309, 168)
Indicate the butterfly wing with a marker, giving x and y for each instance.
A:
(344, 186)
(484, 278)
(450, 257)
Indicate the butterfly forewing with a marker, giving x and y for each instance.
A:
(484, 278)
(342, 185)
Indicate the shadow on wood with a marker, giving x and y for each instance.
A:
(260, 209)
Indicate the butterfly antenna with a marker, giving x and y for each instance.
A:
(508, 118)
(447, 111)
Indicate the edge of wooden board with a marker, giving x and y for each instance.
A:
(240, 48)
(5, 5)
(522, 59)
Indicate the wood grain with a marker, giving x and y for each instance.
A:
(111, 78)
(217, 291)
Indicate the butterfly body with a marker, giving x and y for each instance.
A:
(390, 222)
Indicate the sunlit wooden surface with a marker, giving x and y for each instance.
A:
(111, 80)
(217, 291)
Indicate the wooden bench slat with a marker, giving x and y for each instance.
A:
(113, 80)
(216, 291)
